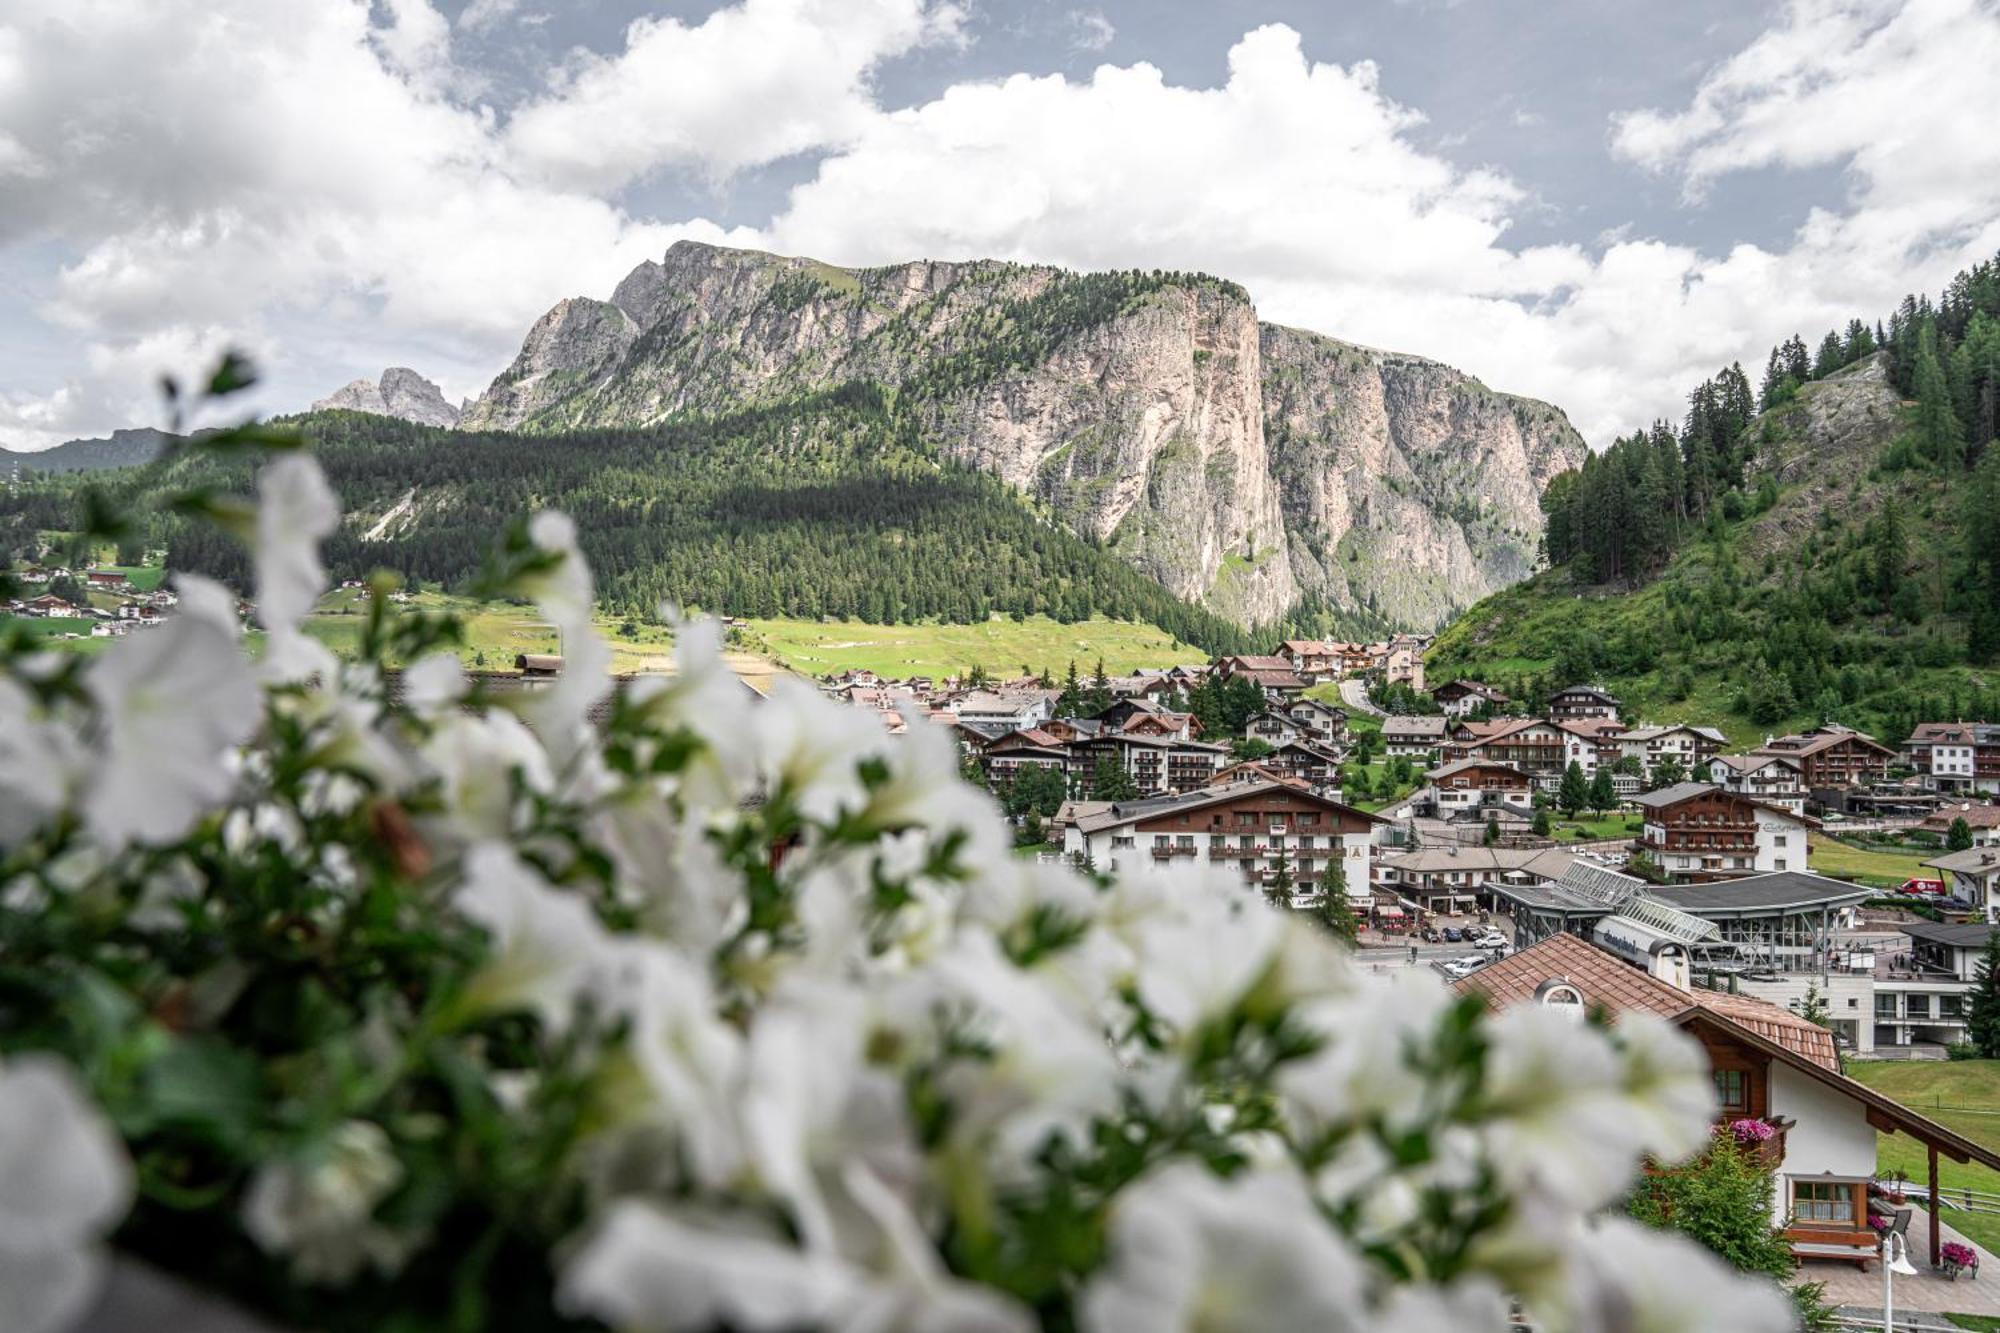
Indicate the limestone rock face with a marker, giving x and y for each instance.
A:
(401, 393)
(1239, 464)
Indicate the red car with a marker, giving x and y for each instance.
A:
(1922, 886)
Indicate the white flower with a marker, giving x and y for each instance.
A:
(913, 1293)
(318, 1209)
(40, 763)
(64, 1182)
(691, 1060)
(171, 703)
(433, 685)
(296, 511)
(669, 870)
(644, 1269)
(548, 948)
(1560, 1121)
(1363, 1068)
(1627, 1278)
(1196, 960)
(811, 748)
(479, 759)
(563, 592)
(1669, 1089)
(1192, 1251)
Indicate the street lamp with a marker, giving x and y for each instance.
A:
(1895, 1259)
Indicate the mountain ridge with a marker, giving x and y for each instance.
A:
(121, 448)
(1249, 466)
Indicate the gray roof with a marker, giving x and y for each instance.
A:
(1755, 895)
(1970, 861)
(1673, 795)
(1968, 935)
(1414, 724)
(1126, 812)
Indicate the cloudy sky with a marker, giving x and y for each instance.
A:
(1594, 203)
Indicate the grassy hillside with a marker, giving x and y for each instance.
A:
(1002, 645)
(1791, 606)
(1961, 1095)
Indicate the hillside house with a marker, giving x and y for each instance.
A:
(48, 604)
(1696, 831)
(1016, 711)
(1768, 1064)
(1982, 820)
(1687, 748)
(1403, 663)
(1457, 698)
(1973, 876)
(1302, 761)
(1313, 659)
(1592, 743)
(1414, 734)
(1582, 701)
(1155, 764)
(107, 580)
(1272, 729)
(1535, 747)
(1833, 756)
(1004, 758)
(1273, 675)
(1318, 721)
(1250, 826)
(1955, 756)
(1772, 779)
(1445, 879)
(1473, 783)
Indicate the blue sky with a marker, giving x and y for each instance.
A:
(1593, 203)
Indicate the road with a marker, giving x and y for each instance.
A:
(1354, 694)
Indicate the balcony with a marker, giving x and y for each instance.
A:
(1173, 850)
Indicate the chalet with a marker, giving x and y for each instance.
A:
(48, 604)
(1696, 831)
(1004, 758)
(538, 666)
(1592, 743)
(1769, 1065)
(1274, 675)
(1318, 721)
(1314, 659)
(1771, 779)
(1536, 748)
(164, 598)
(1302, 761)
(1412, 734)
(1580, 701)
(1982, 820)
(1973, 876)
(1955, 756)
(1833, 756)
(1479, 782)
(107, 580)
(1687, 748)
(1443, 878)
(1403, 663)
(1260, 828)
(1017, 710)
(1272, 728)
(1459, 697)
(1155, 764)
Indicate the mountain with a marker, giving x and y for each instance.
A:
(401, 393)
(1832, 585)
(1245, 466)
(122, 448)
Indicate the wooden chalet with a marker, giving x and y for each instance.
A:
(1458, 697)
(1769, 1065)
(1833, 756)
(1581, 701)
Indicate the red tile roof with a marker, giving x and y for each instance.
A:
(1617, 985)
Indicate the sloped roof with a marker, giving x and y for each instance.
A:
(1970, 861)
(1605, 979)
(1975, 816)
(1674, 795)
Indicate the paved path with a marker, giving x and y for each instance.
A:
(1354, 694)
(1926, 1293)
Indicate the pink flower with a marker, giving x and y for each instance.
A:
(1748, 1131)
(1955, 1253)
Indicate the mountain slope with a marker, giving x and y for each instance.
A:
(401, 393)
(1835, 592)
(122, 448)
(1235, 463)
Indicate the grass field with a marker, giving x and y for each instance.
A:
(1881, 870)
(48, 626)
(1961, 1095)
(1579, 830)
(1002, 645)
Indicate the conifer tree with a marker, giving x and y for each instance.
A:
(1982, 1016)
(1336, 913)
(1938, 430)
(1574, 793)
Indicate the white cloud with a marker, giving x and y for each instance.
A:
(329, 187)
(483, 14)
(1093, 31)
(751, 84)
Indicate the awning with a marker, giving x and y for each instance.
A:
(1388, 911)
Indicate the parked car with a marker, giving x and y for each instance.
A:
(1466, 966)
(1430, 935)
(1453, 935)
(1491, 939)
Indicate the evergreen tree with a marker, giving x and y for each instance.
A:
(1070, 702)
(1982, 1015)
(1603, 796)
(1574, 793)
(1492, 835)
(1959, 837)
(1099, 697)
(1336, 913)
(1938, 431)
(1279, 882)
(1542, 826)
(1111, 781)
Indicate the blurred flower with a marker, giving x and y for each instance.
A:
(317, 1209)
(64, 1183)
(548, 948)
(296, 511)
(1627, 1278)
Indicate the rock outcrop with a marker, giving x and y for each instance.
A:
(1240, 464)
(401, 393)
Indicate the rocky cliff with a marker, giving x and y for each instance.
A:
(1240, 464)
(401, 392)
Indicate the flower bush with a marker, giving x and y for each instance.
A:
(385, 1001)
(1961, 1256)
(1750, 1132)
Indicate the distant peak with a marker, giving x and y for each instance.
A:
(400, 392)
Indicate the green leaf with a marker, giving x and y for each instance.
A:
(232, 375)
(206, 1086)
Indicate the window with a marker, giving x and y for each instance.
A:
(1122, 842)
(1779, 841)
(1920, 1006)
(1733, 1086)
(1885, 1006)
(1823, 1200)
(1245, 818)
